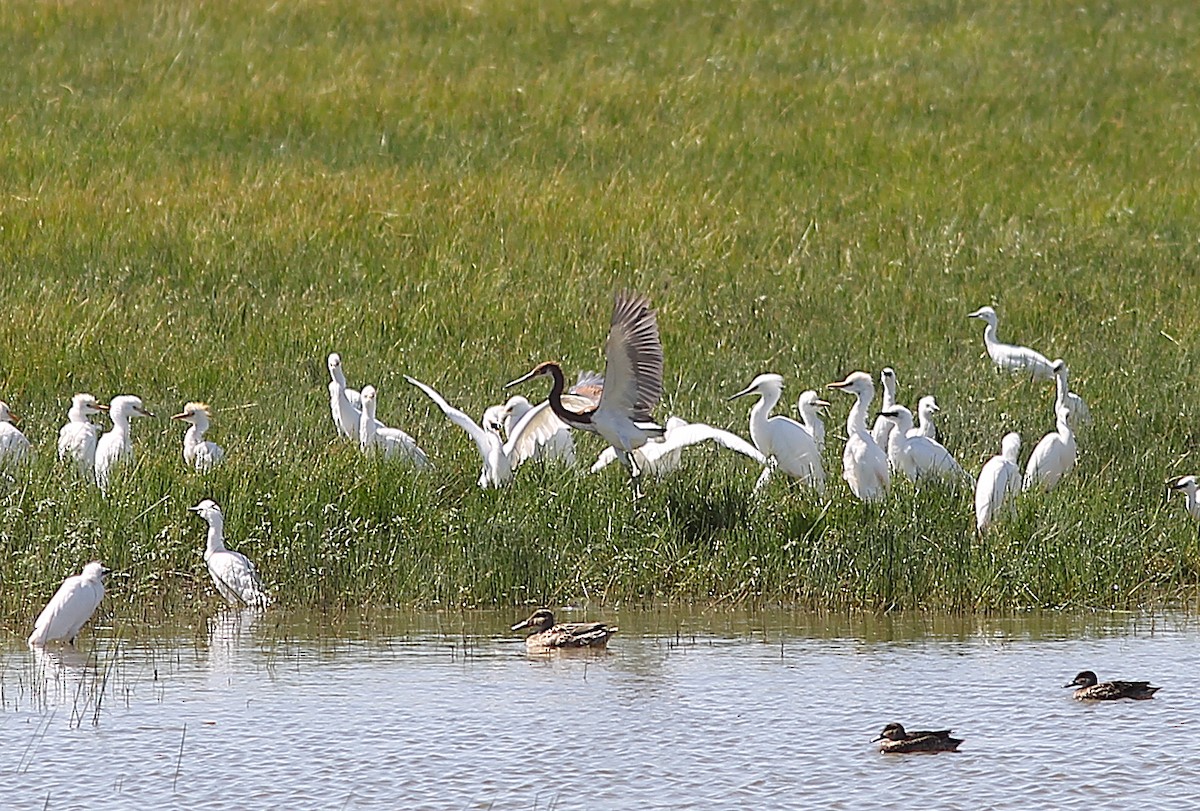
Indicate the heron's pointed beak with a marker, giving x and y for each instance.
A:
(196, 509)
(976, 314)
(841, 385)
(182, 416)
(145, 413)
(520, 379)
(742, 393)
(100, 406)
(822, 403)
(520, 625)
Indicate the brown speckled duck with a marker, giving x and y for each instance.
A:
(894, 740)
(547, 636)
(1089, 688)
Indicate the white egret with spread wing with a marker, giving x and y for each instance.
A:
(665, 455)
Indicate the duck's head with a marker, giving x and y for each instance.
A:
(891, 732)
(1085, 678)
(540, 620)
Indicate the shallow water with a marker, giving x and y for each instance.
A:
(704, 710)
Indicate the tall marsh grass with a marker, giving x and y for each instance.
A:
(200, 201)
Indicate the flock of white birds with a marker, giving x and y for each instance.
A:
(617, 406)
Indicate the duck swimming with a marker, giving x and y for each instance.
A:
(547, 636)
(1087, 689)
(894, 740)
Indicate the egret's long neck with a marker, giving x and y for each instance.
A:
(366, 426)
(857, 420)
(120, 426)
(813, 422)
(989, 334)
(1060, 390)
(759, 413)
(889, 394)
(193, 436)
(339, 376)
(216, 536)
(76, 414)
(1193, 504)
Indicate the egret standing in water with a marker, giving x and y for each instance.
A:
(77, 439)
(919, 457)
(632, 381)
(1187, 486)
(391, 441)
(810, 406)
(14, 447)
(501, 458)
(864, 464)
(71, 606)
(344, 403)
(663, 456)
(115, 447)
(998, 485)
(1053, 457)
(784, 442)
(232, 572)
(198, 452)
(1015, 359)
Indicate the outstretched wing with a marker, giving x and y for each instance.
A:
(633, 357)
(537, 427)
(696, 432)
(485, 440)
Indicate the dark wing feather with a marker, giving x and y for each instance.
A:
(634, 347)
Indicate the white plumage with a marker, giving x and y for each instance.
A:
(785, 443)
(918, 457)
(1053, 457)
(344, 403)
(77, 439)
(1078, 412)
(232, 572)
(392, 442)
(883, 426)
(1187, 486)
(864, 464)
(14, 447)
(999, 483)
(926, 408)
(809, 405)
(115, 447)
(198, 452)
(663, 456)
(1016, 359)
(71, 606)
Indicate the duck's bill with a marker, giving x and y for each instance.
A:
(520, 379)
(520, 625)
(1071, 684)
(877, 740)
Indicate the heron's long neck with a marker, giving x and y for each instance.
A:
(857, 420)
(575, 418)
(339, 376)
(216, 537)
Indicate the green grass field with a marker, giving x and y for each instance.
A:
(201, 201)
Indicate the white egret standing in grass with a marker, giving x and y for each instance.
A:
(392, 442)
(1077, 410)
(1187, 486)
(999, 483)
(115, 447)
(198, 452)
(71, 606)
(864, 464)
(501, 458)
(232, 572)
(1015, 359)
(785, 443)
(926, 408)
(77, 439)
(883, 425)
(663, 456)
(1053, 457)
(14, 447)
(344, 403)
(919, 457)
(809, 405)
(632, 381)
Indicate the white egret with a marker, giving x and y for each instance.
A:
(344, 403)
(115, 447)
(500, 459)
(232, 572)
(998, 485)
(1053, 457)
(1077, 410)
(77, 439)
(883, 425)
(199, 452)
(558, 446)
(14, 447)
(926, 408)
(663, 456)
(71, 606)
(919, 457)
(810, 406)
(1187, 486)
(864, 464)
(1016, 359)
(391, 442)
(633, 381)
(784, 442)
